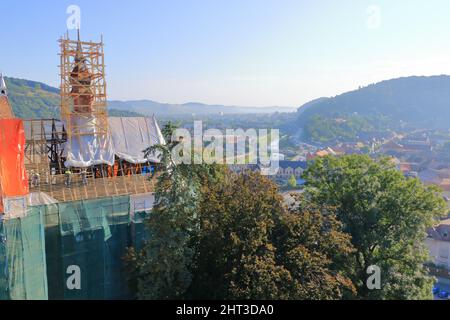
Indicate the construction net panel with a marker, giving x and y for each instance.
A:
(140, 208)
(23, 274)
(91, 235)
(38, 253)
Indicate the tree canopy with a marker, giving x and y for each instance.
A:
(221, 235)
(386, 215)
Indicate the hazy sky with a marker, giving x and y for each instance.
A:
(236, 52)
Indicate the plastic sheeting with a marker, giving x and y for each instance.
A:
(141, 203)
(127, 139)
(39, 198)
(132, 135)
(18, 207)
(15, 207)
(23, 273)
(90, 148)
(13, 177)
(140, 209)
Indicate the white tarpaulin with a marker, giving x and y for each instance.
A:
(88, 149)
(141, 203)
(39, 198)
(127, 139)
(15, 207)
(132, 135)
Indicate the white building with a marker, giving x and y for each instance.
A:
(438, 242)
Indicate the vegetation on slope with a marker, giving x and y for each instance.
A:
(418, 102)
(31, 99)
(323, 129)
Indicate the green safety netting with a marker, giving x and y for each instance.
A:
(23, 274)
(36, 252)
(140, 208)
(138, 231)
(92, 235)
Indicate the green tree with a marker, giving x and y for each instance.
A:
(313, 248)
(161, 270)
(219, 235)
(292, 182)
(386, 215)
(252, 247)
(236, 221)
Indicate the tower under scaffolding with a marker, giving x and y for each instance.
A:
(77, 157)
(44, 163)
(83, 88)
(74, 188)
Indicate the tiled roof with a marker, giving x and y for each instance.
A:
(292, 164)
(445, 184)
(5, 108)
(441, 231)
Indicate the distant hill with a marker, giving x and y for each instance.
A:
(32, 99)
(148, 107)
(418, 102)
(421, 101)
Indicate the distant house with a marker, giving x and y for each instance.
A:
(445, 184)
(438, 242)
(343, 149)
(238, 168)
(430, 176)
(405, 167)
(320, 153)
(417, 145)
(411, 174)
(392, 148)
(288, 168)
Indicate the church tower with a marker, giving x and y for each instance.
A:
(5, 107)
(83, 87)
(81, 80)
(3, 90)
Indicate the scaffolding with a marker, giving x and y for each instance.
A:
(83, 120)
(83, 88)
(44, 145)
(44, 162)
(90, 213)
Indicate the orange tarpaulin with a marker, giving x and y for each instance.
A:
(13, 177)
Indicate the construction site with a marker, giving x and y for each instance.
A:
(74, 191)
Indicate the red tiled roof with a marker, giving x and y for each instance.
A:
(5, 108)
